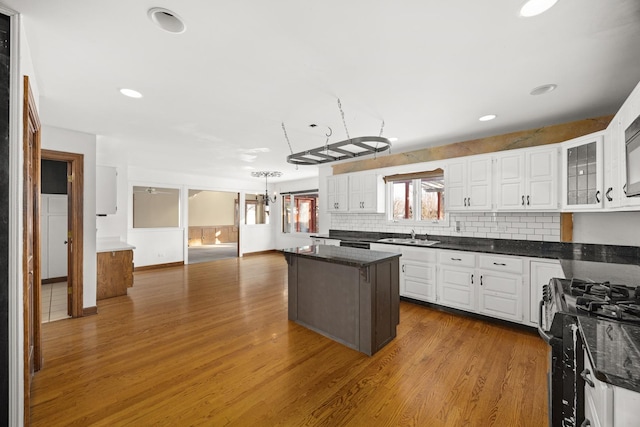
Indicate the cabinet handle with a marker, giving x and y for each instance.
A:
(522, 200)
(609, 190)
(469, 201)
(472, 279)
(499, 263)
(481, 281)
(585, 376)
(464, 201)
(598, 196)
(585, 423)
(403, 268)
(456, 259)
(528, 201)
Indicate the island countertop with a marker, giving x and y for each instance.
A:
(354, 257)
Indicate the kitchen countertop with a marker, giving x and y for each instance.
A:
(112, 245)
(614, 351)
(354, 257)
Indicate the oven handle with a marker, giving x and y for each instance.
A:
(546, 337)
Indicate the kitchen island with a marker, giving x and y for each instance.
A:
(350, 295)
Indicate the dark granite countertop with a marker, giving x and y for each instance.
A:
(614, 351)
(354, 257)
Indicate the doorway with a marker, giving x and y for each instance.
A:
(54, 241)
(213, 220)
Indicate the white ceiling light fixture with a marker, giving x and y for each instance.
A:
(487, 118)
(536, 7)
(166, 20)
(130, 93)
(541, 90)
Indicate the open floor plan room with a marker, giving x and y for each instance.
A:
(210, 344)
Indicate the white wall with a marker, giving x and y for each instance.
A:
(609, 228)
(207, 208)
(58, 139)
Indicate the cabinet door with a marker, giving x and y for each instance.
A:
(613, 165)
(540, 272)
(479, 184)
(456, 287)
(337, 193)
(455, 179)
(542, 179)
(582, 177)
(356, 192)
(511, 179)
(500, 295)
(419, 280)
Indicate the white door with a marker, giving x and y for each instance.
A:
(500, 295)
(54, 235)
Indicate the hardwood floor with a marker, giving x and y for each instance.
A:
(210, 344)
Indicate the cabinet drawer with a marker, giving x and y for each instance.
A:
(501, 263)
(419, 254)
(462, 259)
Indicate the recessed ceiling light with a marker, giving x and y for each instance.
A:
(487, 117)
(166, 20)
(536, 7)
(541, 90)
(130, 93)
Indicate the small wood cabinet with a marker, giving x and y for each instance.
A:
(115, 273)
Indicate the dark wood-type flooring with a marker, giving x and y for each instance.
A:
(210, 344)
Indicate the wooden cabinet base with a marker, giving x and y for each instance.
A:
(115, 273)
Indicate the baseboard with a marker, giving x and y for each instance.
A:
(270, 251)
(157, 266)
(54, 280)
(89, 311)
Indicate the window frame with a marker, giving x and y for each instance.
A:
(416, 206)
(293, 203)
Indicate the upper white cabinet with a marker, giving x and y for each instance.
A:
(582, 173)
(629, 111)
(468, 184)
(106, 190)
(527, 179)
(362, 193)
(613, 164)
(366, 193)
(337, 193)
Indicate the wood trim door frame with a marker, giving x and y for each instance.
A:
(31, 243)
(75, 200)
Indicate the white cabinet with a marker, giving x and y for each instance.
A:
(527, 179)
(106, 190)
(366, 193)
(540, 273)
(500, 293)
(582, 173)
(418, 273)
(325, 241)
(361, 193)
(337, 193)
(629, 111)
(613, 164)
(468, 184)
(456, 287)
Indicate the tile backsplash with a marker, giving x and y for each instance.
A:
(543, 226)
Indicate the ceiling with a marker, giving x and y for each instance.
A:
(215, 96)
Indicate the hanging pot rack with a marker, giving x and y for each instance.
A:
(343, 150)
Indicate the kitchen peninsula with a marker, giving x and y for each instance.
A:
(350, 295)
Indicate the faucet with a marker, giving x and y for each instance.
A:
(413, 234)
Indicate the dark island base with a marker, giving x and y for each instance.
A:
(356, 306)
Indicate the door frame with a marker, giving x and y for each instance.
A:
(75, 200)
(31, 301)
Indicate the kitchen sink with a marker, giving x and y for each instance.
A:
(404, 241)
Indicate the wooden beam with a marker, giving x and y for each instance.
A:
(566, 227)
(510, 141)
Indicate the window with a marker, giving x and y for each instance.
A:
(300, 212)
(156, 207)
(417, 196)
(256, 211)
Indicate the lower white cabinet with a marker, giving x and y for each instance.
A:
(456, 287)
(418, 274)
(540, 272)
(500, 292)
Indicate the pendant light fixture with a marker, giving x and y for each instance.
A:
(267, 175)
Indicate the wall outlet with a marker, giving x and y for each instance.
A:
(458, 226)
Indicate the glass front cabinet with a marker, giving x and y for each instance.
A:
(582, 173)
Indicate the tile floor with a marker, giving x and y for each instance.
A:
(54, 302)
